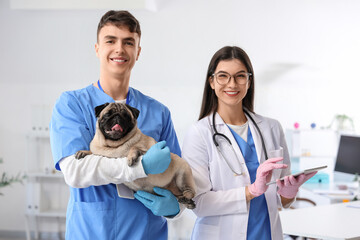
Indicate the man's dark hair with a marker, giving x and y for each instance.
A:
(119, 19)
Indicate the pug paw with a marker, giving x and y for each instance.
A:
(131, 162)
(81, 154)
(182, 200)
(133, 157)
(189, 203)
(188, 193)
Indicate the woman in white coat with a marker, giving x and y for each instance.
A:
(233, 200)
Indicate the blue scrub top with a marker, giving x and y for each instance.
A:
(97, 212)
(259, 222)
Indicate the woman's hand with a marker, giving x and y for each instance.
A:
(263, 176)
(289, 187)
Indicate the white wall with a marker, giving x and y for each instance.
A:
(305, 56)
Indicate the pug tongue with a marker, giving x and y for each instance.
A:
(116, 127)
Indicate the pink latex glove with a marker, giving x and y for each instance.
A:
(289, 187)
(263, 176)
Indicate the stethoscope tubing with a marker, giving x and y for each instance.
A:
(261, 136)
(216, 133)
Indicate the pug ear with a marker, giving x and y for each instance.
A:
(134, 111)
(98, 109)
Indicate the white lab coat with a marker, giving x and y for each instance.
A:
(221, 205)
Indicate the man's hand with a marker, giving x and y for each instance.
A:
(163, 204)
(157, 159)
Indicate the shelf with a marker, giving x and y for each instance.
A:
(45, 175)
(312, 156)
(50, 213)
(47, 193)
(38, 134)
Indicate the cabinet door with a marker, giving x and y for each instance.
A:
(47, 192)
(31, 196)
(312, 143)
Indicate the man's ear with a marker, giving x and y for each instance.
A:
(134, 111)
(138, 54)
(98, 109)
(97, 49)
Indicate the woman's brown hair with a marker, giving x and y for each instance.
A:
(210, 100)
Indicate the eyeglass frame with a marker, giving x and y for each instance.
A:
(232, 76)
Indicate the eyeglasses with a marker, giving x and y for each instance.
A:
(223, 78)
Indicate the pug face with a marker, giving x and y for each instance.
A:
(116, 120)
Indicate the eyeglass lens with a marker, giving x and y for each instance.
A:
(223, 78)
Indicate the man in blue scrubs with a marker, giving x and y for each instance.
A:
(95, 211)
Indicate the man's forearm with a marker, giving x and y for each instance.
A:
(94, 170)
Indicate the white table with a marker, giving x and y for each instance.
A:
(338, 221)
(331, 190)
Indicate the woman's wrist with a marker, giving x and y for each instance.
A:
(248, 195)
(285, 202)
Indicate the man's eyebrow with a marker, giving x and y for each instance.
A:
(129, 39)
(125, 39)
(110, 37)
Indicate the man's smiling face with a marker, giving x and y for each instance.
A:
(117, 49)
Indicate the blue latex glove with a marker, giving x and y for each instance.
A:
(157, 159)
(165, 204)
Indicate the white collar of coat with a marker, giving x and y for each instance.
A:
(225, 130)
(256, 117)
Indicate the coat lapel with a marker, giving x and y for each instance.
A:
(223, 128)
(256, 135)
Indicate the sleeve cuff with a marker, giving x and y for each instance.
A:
(242, 197)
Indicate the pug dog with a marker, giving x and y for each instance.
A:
(117, 136)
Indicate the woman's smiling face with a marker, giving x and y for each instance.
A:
(232, 93)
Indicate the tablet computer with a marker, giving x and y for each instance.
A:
(124, 191)
(306, 171)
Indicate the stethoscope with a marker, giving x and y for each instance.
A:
(217, 134)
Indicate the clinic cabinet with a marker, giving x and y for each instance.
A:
(311, 148)
(46, 191)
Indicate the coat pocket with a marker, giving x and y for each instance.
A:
(204, 231)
